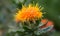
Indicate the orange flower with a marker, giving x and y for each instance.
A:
(28, 13)
(46, 23)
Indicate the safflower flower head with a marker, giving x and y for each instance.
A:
(28, 13)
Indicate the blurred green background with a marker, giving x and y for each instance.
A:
(9, 7)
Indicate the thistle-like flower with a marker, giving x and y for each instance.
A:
(29, 13)
(30, 16)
